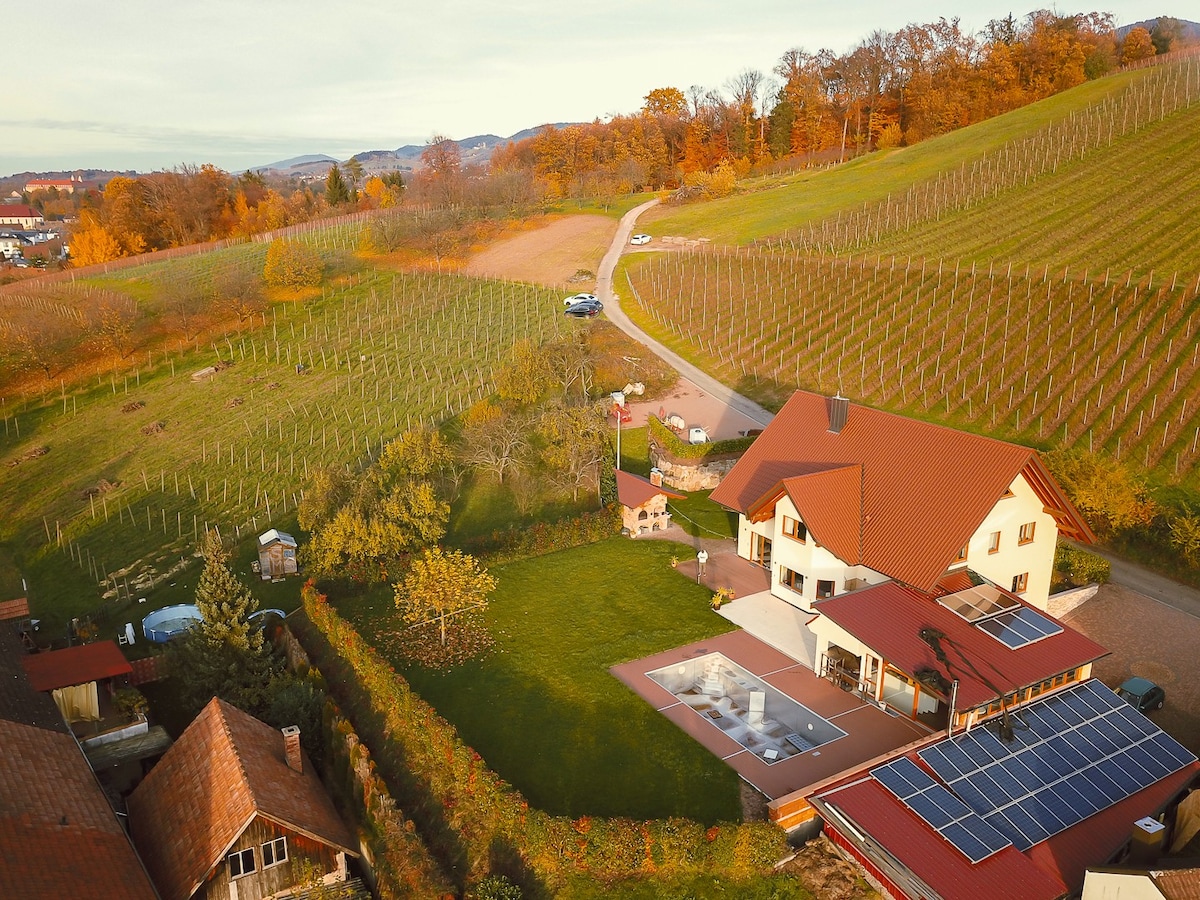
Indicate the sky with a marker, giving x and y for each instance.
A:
(151, 85)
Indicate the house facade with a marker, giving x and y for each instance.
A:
(234, 811)
(21, 216)
(835, 497)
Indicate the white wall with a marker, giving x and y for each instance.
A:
(1119, 886)
(1036, 557)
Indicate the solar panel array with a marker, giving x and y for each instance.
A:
(1002, 616)
(1075, 753)
(1018, 627)
(953, 819)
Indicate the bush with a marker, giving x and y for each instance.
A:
(1081, 566)
(291, 264)
(547, 537)
(130, 702)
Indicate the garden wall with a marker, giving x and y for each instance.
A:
(692, 467)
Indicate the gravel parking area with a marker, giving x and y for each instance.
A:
(1148, 638)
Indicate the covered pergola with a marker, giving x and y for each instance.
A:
(71, 676)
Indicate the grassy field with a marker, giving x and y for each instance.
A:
(136, 465)
(814, 196)
(543, 709)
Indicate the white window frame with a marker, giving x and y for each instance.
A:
(276, 850)
(237, 860)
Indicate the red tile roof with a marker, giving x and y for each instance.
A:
(14, 609)
(889, 617)
(75, 665)
(58, 834)
(930, 857)
(18, 211)
(226, 768)
(634, 490)
(912, 472)
(1047, 870)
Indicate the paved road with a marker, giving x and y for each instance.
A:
(616, 315)
(1152, 584)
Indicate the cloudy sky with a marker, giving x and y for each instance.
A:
(150, 85)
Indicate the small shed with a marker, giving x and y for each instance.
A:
(71, 675)
(644, 502)
(276, 555)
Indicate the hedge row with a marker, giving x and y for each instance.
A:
(1081, 566)
(674, 445)
(400, 863)
(546, 537)
(465, 811)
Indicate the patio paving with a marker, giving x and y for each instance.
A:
(870, 732)
(775, 622)
(726, 569)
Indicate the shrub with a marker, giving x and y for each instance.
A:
(130, 702)
(1081, 566)
(291, 264)
(681, 449)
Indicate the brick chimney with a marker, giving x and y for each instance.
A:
(291, 748)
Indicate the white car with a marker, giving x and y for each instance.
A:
(579, 298)
(639, 239)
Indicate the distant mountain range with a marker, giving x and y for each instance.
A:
(476, 150)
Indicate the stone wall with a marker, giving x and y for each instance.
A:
(691, 474)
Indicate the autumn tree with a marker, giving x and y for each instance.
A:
(1109, 496)
(667, 101)
(238, 291)
(112, 326)
(576, 446)
(1137, 46)
(292, 264)
(440, 586)
(493, 440)
(328, 490)
(354, 175)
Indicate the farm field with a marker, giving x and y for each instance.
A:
(820, 195)
(1035, 356)
(544, 711)
(110, 483)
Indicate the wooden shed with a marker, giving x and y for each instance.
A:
(276, 555)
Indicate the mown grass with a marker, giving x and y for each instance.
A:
(543, 709)
(821, 193)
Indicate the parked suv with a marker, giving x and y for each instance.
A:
(1142, 694)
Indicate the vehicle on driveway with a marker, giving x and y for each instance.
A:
(638, 239)
(1142, 694)
(588, 309)
(578, 298)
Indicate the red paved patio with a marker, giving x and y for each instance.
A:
(727, 569)
(870, 732)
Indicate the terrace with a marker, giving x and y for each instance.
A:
(866, 731)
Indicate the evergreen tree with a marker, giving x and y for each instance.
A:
(224, 655)
(224, 602)
(337, 191)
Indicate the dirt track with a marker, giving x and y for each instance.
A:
(549, 255)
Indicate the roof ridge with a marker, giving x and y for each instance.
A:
(233, 746)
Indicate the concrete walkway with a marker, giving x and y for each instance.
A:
(616, 315)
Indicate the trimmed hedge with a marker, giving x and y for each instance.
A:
(465, 811)
(541, 538)
(1081, 566)
(681, 449)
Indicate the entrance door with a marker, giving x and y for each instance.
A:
(760, 550)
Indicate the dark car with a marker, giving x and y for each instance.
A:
(588, 309)
(1142, 694)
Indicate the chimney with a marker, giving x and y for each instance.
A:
(839, 411)
(291, 748)
(1147, 844)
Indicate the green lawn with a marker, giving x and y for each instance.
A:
(543, 709)
(700, 517)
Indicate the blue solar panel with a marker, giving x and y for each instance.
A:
(1076, 752)
(903, 778)
(1018, 627)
